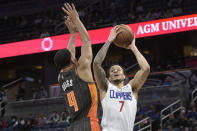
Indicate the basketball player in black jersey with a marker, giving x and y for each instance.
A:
(76, 79)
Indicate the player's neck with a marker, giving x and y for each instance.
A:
(67, 68)
(118, 84)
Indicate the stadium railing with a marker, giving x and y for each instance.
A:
(172, 108)
(138, 127)
(194, 95)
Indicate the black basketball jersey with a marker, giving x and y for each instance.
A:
(82, 98)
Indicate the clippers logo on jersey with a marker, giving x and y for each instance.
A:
(120, 95)
(66, 84)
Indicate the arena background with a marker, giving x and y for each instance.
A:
(30, 97)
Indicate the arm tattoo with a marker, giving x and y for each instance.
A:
(102, 53)
(100, 77)
(99, 72)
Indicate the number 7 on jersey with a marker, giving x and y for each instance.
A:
(122, 102)
(72, 100)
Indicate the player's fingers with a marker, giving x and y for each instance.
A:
(118, 32)
(117, 28)
(65, 11)
(73, 6)
(70, 8)
(66, 6)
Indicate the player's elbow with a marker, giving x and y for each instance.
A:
(88, 57)
(147, 69)
(96, 62)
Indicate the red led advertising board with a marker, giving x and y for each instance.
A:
(143, 29)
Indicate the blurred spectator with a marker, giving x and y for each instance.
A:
(21, 92)
(19, 124)
(38, 94)
(159, 106)
(176, 80)
(36, 120)
(154, 117)
(171, 123)
(42, 119)
(64, 117)
(42, 92)
(182, 121)
(12, 121)
(35, 93)
(28, 125)
(192, 113)
(54, 117)
(3, 123)
(167, 81)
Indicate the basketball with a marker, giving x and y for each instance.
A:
(124, 38)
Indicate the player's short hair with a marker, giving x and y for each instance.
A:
(62, 58)
(108, 72)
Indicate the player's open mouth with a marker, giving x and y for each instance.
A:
(116, 74)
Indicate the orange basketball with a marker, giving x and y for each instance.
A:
(124, 38)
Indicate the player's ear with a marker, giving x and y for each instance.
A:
(124, 77)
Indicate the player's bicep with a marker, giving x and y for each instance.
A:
(139, 79)
(100, 77)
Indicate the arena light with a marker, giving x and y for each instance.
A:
(143, 29)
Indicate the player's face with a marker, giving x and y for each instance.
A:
(116, 73)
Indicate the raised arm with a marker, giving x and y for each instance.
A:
(73, 32)
(86, 49)
(99, 73)
(140, 77)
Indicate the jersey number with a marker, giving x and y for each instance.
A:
(122, 102)
(72, 101)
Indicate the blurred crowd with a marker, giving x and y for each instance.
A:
(33, 90)
(35, 120)
(183, 120)
(94, 14)
(36, 92)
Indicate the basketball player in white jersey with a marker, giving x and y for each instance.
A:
(119, 101)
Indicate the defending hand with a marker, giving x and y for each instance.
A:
(71, 12)
(72, 29)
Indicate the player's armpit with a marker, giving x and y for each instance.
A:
(100, 76)
(139, 79)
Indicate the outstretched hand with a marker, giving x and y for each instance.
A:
(70, 11)
(72, 29)
(113, 34)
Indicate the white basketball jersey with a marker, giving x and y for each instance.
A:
(119, 109)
